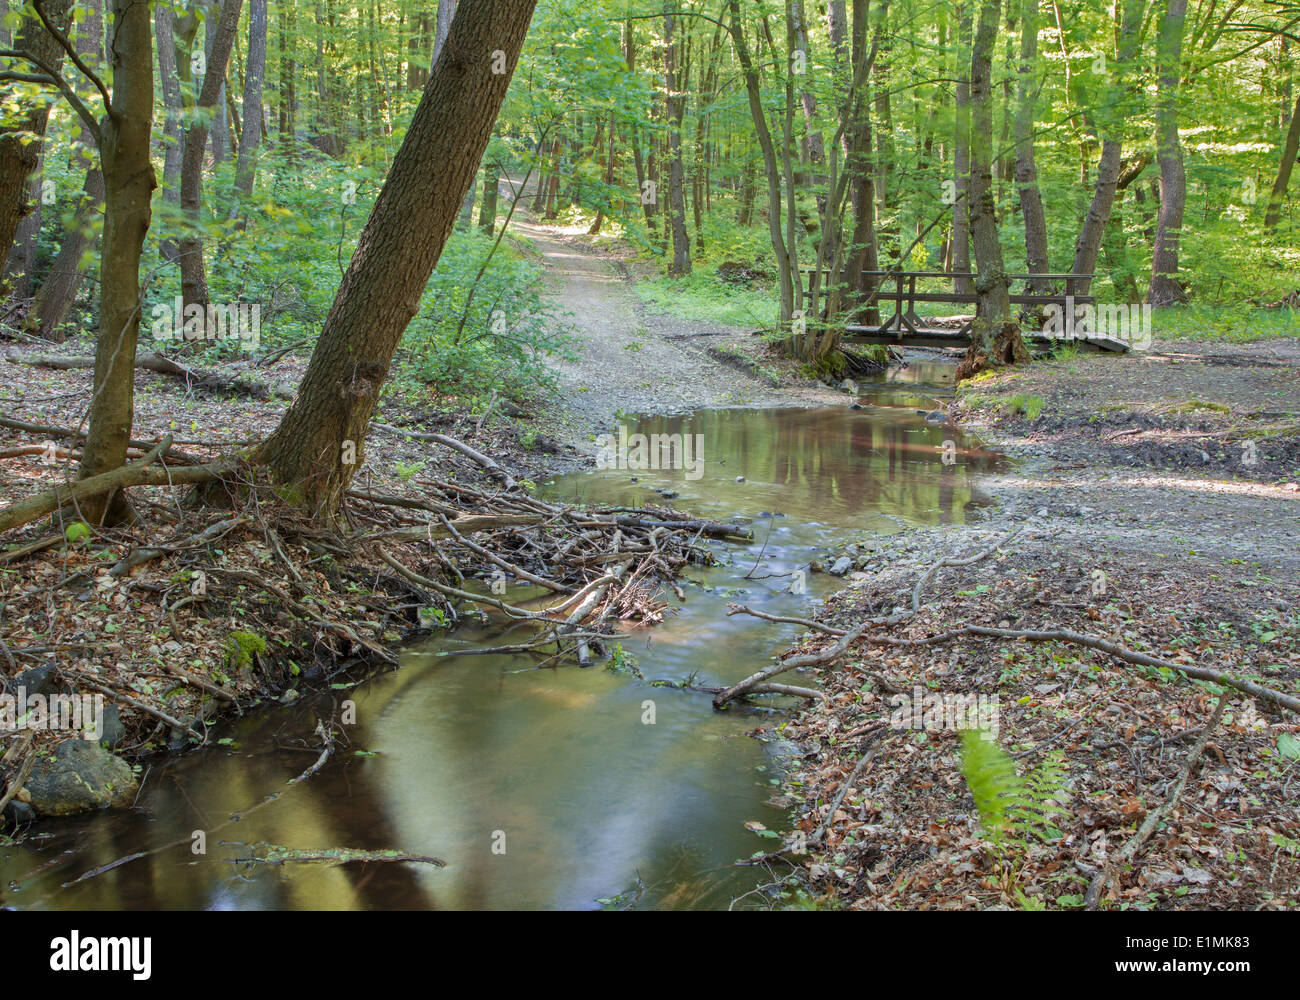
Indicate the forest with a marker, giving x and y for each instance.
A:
(829, 454)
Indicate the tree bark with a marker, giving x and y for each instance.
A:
(1278, 193)
(1165, 289)
(171, 51)
(675, 109)
(66, 273)
(128, 187)
(1031, 200)
(254, 75)
(754, 92)
(965, 202)
(19, 156)
(1108, 165)
(995, 335)
(396, 252)
(194, 277)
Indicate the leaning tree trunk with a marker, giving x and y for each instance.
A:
(1112, 117)
(194, 277)
(19, 154)
(1276, 196)
(318, 446)
(128, 188)
(69, 268)
(995, 335)
(786, 268)
(254, 76)
(1165, 289)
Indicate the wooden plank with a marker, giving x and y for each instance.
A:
(940, 337)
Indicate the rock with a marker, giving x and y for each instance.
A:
(816, 566)
(849, 386)
(740, 479)
(935, 417)
(111, 729)
(841, 566)
(855, 406)
(18, 814)
(667, 494)
(42, 680)
(79, 776)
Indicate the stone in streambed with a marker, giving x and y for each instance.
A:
(841, 566)
(79, 776)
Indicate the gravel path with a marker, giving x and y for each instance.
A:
(637, 362)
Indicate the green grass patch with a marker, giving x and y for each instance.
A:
(702, 298)
(1235, 324)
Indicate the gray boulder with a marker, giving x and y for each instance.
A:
(79, 776)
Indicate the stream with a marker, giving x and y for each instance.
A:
(544, 788)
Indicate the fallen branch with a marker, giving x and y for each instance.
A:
(141, 556)
(68, 434)
(134, 474)
(460, 446)
(1156, 816)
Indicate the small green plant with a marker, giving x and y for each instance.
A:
(77, 532)
(241, 647)
(1013, 808)
(623, 662)
(1030, 406)
(408, 471)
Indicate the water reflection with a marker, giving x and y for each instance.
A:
(564, 770)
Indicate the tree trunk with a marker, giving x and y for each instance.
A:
(318, 446)
(128, 187)
(1108, 165)
(1165, 289)
(675, 109)
(170, 55)
(964, 204)
(254, 74)
(995, 335)
(487, 214)
(1031, 200)
(194, 277)
(638, 159)
(66, 273)
(1274, 211)
(785, 268)
(220, 124)
(19, 156)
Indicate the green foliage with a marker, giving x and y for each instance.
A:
(241, 647)
(1012, 807)
(471, 338)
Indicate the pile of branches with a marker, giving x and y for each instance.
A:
(582, 570)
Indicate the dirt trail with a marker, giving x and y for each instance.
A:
(634, 361)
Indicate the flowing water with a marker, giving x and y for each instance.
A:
(543, 788)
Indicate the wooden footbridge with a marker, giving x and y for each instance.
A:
(897, 290)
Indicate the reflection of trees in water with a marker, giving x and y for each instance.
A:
(885, 459)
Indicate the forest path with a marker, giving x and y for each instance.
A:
(630, 359)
